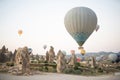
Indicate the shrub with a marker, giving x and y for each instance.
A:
(3, 70)
(118, 67)
(45, 69)
(72, 71)
(51, 69)
(10, 64)
(77, 72)
(76, 66)
(40, 68)
(100, 70)
(68, 71)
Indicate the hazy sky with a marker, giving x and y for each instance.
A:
(42, 22)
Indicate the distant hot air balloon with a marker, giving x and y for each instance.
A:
(30, 50)
(72, 51)
(113, 57)
(82, 51)
(99, 58)
(80, 22)
(44, 46)
(64, 52)
(20, 32)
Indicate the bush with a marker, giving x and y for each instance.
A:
(40, 69)
(76, 66)
(100, 70)
(68, 71)
(34, 68)
(118, 67)
(9, 64)
(32, 61)
(45, 69)
(51, 69)
(3, 70)
(72, 71)
(77, 72)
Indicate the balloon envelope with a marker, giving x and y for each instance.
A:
(113, 57)
(72, 51)
(64, 52)
(30, 50)
(80, 22)
(82, 51)
(98, 58)
(20, 32)
(45, 46)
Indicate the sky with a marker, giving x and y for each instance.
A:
(42, 22)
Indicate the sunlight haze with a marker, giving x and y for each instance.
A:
(42, 22)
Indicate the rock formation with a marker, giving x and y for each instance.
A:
(22, 62)
(51, 54)
(47, 56)
(93, 62)
(5, 55)
(72, 60)
(61, 62)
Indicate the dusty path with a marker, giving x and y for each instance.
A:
(55, 76)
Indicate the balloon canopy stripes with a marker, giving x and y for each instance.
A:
(80, 22)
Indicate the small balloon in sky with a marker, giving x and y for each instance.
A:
(82, 51)
(113, 57)
(72, 51)
(64, 52)
(30, 50)
(44, 46)
(20, 32)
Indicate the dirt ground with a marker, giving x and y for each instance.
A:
(56, 76)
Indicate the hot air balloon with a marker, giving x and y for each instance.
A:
(64, 52)
(44, 47)
(80, 22)
(30, 50)
(72, 51)
(20, 32)
(113, 57)
(82, 51)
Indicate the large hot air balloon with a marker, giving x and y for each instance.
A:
(80, 22)
(20, 32)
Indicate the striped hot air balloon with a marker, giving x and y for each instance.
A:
(80, 22)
